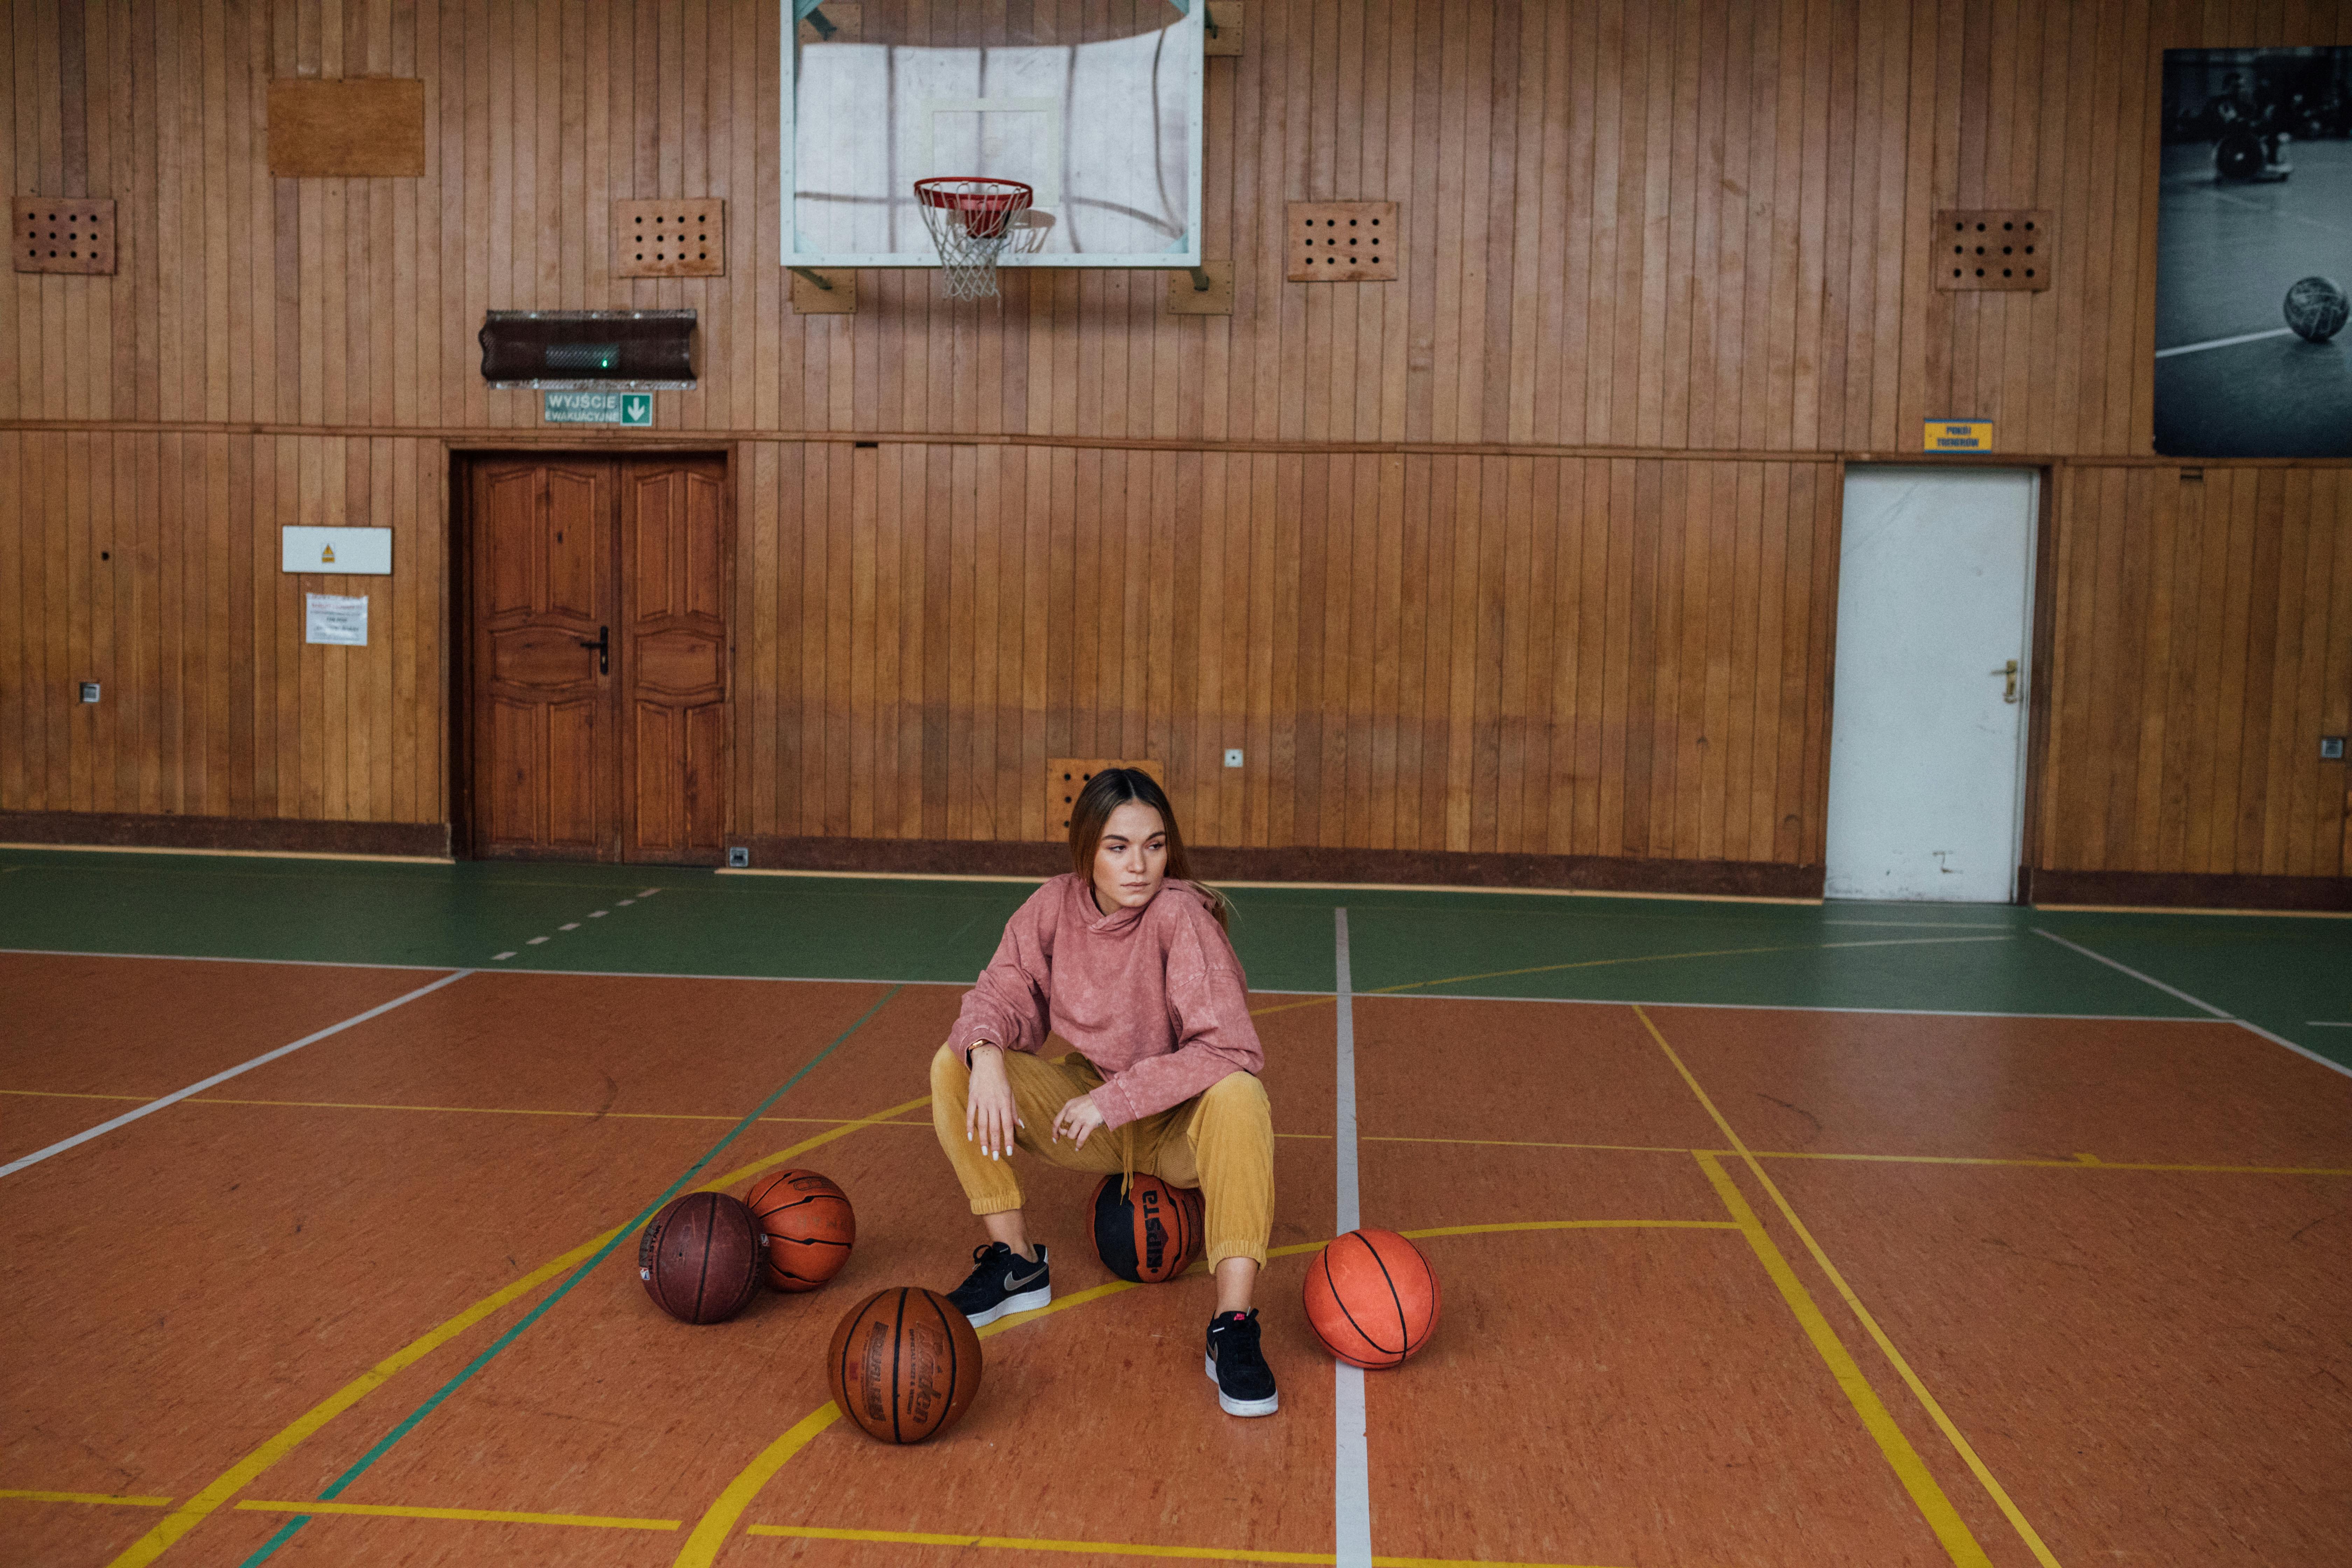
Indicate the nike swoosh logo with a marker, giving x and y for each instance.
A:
(1011, 1285)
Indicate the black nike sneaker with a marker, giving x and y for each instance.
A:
(1245, 1383)
(1002, 1283)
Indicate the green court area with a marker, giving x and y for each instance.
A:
(2289, 976)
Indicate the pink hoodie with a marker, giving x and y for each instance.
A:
(1153, 996)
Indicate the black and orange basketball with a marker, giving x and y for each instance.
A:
(699, 1258)
(904, 1364)
(808, 1226)
(1151, 1233)
(1371, 1298)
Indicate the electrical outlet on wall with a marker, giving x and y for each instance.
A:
(2331, 747)
(89, 691)
(1233, 756)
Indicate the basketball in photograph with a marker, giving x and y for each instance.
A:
(1371, 1298)
(2316, 308)
(807, 1226)
(699, 1258)
(1151, 1234)
(904, 1364)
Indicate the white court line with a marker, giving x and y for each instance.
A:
(1351, 1448)
(1925, 925)
(2324, 1024)
(2207, 1006)
(2226, 342)
(176, 1096)
(212, 958)
(1766, 1008)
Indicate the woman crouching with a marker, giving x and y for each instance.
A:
(1126, 958)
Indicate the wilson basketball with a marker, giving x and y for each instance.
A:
(808, 1226)
(904, 1364)
(699, 1258)
(1151, 1233)
(1371, 1298)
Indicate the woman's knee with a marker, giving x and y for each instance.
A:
(1238, 1097)
(947, 1069)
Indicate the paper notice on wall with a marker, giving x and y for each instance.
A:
(335, 619)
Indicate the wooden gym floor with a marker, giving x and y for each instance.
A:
(1769, 1234)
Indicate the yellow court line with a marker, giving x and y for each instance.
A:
(1944, 1422)
(237, 1477)
(1121, 1548)
(472, 1515)
(2079, 1163)
(1525, 1143)
(1909, 1468)
(103, 1499)
(477, 1109)
(1607, 962)
(717, 1522)
(1572, 1225)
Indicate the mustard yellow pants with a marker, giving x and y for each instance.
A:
(1221, 1141)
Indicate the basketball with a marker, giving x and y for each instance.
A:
(904, 1364)
(808, 1226)
(1150, 1236)
(699, 1258)
(2316, 308)
(1371, 1298)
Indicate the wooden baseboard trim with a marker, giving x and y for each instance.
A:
(2183, 890)
(226, 835)
(1394, 868)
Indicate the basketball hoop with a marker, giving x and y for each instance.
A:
(970, 221)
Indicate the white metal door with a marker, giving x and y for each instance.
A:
(1928, 735)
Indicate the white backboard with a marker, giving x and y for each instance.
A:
(1094, 103)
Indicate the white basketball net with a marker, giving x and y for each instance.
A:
(971, 221)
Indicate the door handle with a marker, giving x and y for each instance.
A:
(2009, 688)
(604, 647)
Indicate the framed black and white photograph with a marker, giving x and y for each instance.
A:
(2254, 255)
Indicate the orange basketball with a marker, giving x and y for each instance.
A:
(1151, 1235)
(1371, 1298)
(904, 1364)
(808, 1226)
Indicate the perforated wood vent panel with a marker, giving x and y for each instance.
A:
(1066, 776)
(1342, 242)
(56, 234)
(670, 238)
(1993, 249)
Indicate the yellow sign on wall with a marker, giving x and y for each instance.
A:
(1958, 435)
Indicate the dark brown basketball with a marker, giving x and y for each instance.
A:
(699, 1258)
(904, 1364)
(808, 1226)
(1151, 1235)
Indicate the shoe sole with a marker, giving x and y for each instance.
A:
(1027, 1301)
(1232, 1406)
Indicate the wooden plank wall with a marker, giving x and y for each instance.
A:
(1683, 243)
(1554, 656)
(2204, 644)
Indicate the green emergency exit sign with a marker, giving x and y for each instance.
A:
(597, 408)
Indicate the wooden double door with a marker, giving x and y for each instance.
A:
(598, 716)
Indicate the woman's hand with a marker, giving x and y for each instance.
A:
(1078, 1118)
(988, 1116)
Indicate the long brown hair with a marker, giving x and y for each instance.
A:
(1105, 793)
